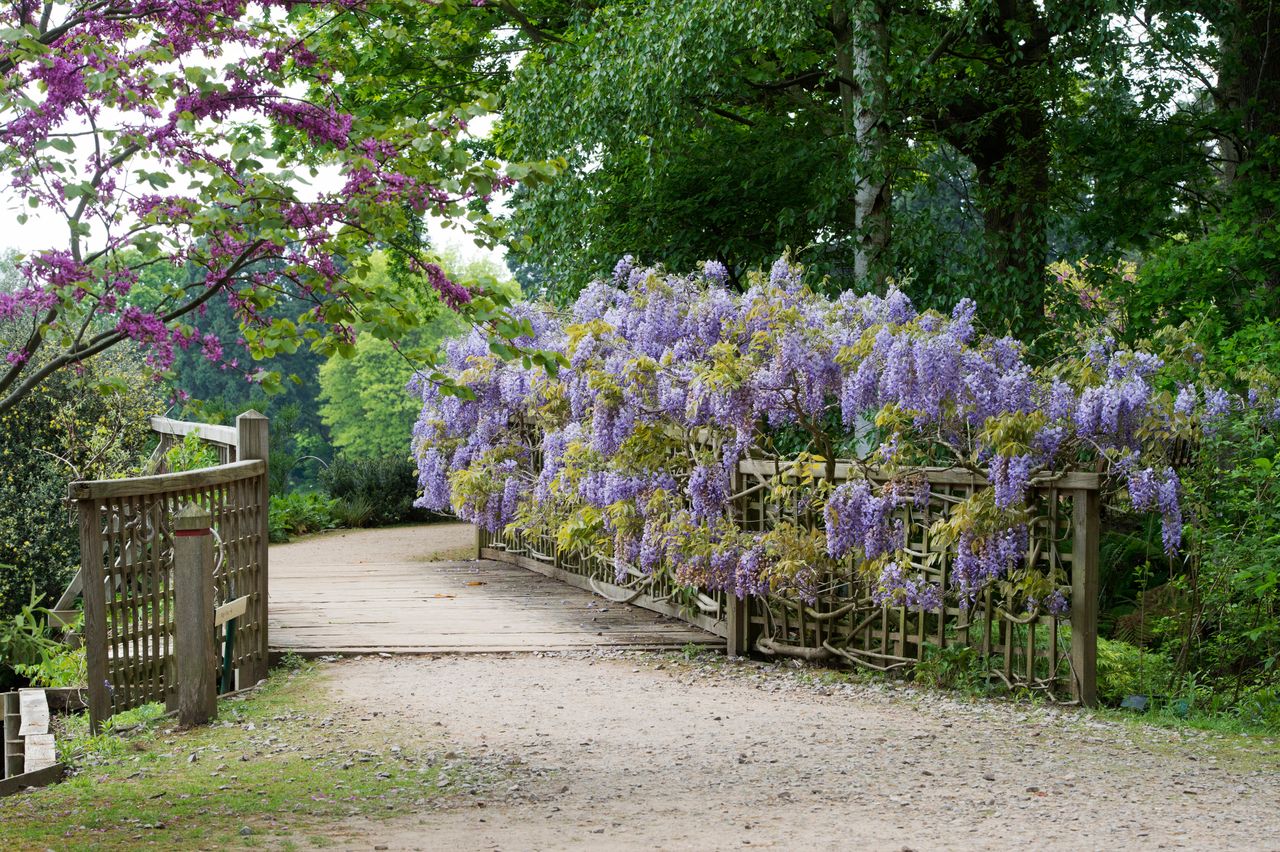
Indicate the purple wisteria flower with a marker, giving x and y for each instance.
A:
(671, 381)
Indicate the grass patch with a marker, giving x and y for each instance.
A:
(272, 765)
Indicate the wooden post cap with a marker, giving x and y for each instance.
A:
(251, 414)
(194, 519)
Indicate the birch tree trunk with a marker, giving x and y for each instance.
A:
(862, 37)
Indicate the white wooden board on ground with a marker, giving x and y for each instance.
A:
(40, 754)
(34, 708)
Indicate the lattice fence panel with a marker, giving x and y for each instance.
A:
(129, 605)
(841, 621)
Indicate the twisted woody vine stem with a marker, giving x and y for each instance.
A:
(629, 449)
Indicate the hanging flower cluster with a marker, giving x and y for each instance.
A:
(630, 449)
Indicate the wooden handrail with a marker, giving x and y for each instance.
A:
(227, 436)
(942, 475)
(160, 483)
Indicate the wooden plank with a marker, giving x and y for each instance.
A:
(711, 625)
(40, 778)
(410, 607)
(254, 441)
(40, 753)
(187, 480)
(224, 435)
(26, 781)
(95, 611)
(193, 615)
(68, 599)
(63, 617)
(33, 710)
(158, 572)
(411, 649)
(234, 529)
(65, 699)
(228, 611)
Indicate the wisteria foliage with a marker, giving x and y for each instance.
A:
(629, 451)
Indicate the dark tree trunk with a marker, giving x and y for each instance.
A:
(995, 113)
(1248, 96)
(1011, 159)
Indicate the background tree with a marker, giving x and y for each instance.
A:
(362, 399)
(990, 138)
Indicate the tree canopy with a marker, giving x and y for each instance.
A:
(960, 147)
(362, 399)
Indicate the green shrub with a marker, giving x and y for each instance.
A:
(190, 454)
(1227, 634)
(58, 667)
(354, 513)
(24, 639)
(87, 425)
(1125, 670)
(299, 513)
(388, 485)
(39, 545)
(954, 667)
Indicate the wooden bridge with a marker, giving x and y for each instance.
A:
(416, 590)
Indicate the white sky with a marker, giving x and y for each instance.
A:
(44, 231)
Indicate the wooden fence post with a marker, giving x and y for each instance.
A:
(254, 443)
(1084, 595)
(92, 580)
(738, 615)
(193, 616)
(738, 642)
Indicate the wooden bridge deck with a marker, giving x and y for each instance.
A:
(413, 590)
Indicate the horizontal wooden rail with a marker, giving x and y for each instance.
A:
(938, 475)
(166, 482)
(224, 435)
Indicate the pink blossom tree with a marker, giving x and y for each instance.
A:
(207, 136)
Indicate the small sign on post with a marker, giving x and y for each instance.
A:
(193, 616)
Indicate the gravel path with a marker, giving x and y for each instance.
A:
(641, 751)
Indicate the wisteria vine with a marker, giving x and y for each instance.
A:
(629, 450)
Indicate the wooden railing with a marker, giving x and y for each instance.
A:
(225, 440)
(129, 546)
(840, 622)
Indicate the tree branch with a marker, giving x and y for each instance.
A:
(113, 337)
(536, 33)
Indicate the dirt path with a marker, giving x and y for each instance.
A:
(639, 751)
